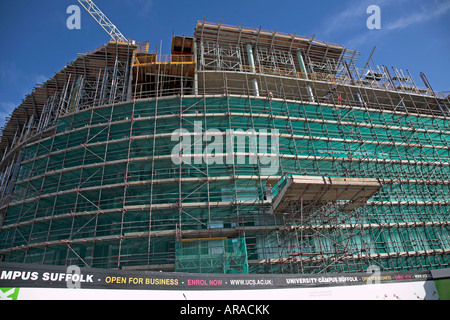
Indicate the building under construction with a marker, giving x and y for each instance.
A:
(361, 158)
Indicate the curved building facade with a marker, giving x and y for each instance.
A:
(244, 151)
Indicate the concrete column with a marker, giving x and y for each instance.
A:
(302, 65)
(251, 62)
(359, 100)
(196, 70)
(304, 73)
(310, 93)
(202, 57)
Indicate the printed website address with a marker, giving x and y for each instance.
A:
(251, 282)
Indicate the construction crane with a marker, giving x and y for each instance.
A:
(103, 21)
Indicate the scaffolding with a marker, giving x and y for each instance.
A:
(212, 255)
(88, 176)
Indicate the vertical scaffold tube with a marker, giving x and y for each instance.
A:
(251, 62)
(304, 75)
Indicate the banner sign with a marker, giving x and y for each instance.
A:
(43, 276)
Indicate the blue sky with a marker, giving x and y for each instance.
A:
(36, 43)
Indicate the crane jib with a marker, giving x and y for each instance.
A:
(103, 21)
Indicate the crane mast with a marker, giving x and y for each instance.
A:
(103, 21)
